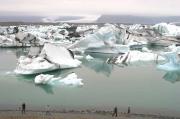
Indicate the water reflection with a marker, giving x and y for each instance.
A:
(16, 51)
(98, 64)
(47, 88)
(172, 77)
(30, 79)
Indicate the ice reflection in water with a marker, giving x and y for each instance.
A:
(172, 77)
(98, 64)
(46, 87)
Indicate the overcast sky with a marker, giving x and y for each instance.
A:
(76, 7)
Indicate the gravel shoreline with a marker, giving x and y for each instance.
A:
(74, 114)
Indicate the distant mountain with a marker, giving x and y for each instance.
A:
(125, 19)
(128, 19)
(21, 19)
(75, 19)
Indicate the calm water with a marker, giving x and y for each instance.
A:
(143, 87)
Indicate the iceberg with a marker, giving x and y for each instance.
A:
(27, 38)
(59, 56)
(70, 79)
(89, 57)
(30, 35)
(43, 79)
(117, 48)
(136, 27)
(107, 38)
(20, 39)
(78, 57)
(4, 41)
(37, 65)
(85, 28)
(136, 57)
(172, 64)
(167, 29)
(52, 57)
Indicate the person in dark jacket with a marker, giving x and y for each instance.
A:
(115, 111)
(23, 108)
(129, 110)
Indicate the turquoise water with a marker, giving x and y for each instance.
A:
(142, 87)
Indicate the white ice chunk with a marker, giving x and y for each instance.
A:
(60, 56)
(7, 41)
(43, 78)
(145, 49)
(89, 57)
(138, 57)
(84, 28)
(34, 66)
(70, 79)
(78, 57)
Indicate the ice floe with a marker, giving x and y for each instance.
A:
(70, 79)
(136, 57)
(34, 65)
(52, 57)
(88, 57)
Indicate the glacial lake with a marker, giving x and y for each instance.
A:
(142, 87)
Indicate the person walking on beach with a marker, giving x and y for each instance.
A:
(48, 110)
(129, 110)
(115, 111)
(23, 108)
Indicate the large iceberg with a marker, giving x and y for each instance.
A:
(111, 39)
(60, 56)
(106, 40)
(28, 65)
(136, 57)
(28, 39)
(51, 58)
(70, 79)
(167, 29)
